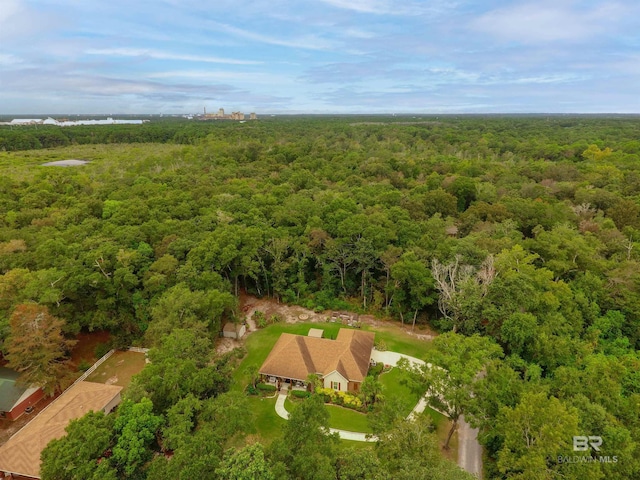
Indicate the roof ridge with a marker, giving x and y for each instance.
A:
(307, 357)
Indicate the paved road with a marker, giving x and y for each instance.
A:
(469, 450)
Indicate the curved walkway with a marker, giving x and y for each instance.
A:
(388, 358)
(344, 434)
(469, 450)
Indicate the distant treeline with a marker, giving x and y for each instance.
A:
(32, 137)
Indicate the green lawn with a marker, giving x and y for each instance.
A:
(398, 341)
(340, 418)
(260, 343)
(393, 387)
(268, 424)
(347, 419)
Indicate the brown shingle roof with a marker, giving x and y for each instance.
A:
(21, 454)
(297, 356)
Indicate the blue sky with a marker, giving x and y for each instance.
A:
(321, 56)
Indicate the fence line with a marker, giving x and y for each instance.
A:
(93, 367)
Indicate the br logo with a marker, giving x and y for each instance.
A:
(582, 443)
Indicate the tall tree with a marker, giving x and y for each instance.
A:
(415, 285)
(536, 432)
(247, 463)
(454, 366)
(410, 450)
(37, 348)
(307, 448)
(135, 426)
(75, 456)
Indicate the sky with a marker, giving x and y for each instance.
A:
(319, 56)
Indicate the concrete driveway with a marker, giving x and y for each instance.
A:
(469, 450)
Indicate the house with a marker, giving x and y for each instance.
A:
(341, 364)
(20, 456)
(233, 330)
(15, 399)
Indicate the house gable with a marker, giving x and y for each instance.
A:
(331, 379)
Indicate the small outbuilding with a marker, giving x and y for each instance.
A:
(234, 330)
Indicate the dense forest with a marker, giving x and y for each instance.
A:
(520, 233)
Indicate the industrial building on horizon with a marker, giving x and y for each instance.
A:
(222, 116)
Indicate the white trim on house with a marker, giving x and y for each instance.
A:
(335, 377)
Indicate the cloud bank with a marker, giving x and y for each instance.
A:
(328, 56)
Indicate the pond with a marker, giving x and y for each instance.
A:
(72, 162)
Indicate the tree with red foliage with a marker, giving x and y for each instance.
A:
(37, 348)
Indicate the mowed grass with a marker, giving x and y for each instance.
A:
(268, 425)
(399, 341)
(394, 386)
(119, 368)
(260, 343)
(347, 419)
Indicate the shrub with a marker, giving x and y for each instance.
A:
(266, 387)
(381, 346)
(340, 398)
(251, 390)
(259, 318)
(300, 393)
(350, 401)
(375, 371)
(275, 318)
(102, 349)
(239, 352)
(84, 366)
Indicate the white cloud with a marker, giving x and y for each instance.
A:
(8, 10)
(8, 59)
(549, 21)
(308, 42)
(160, 55)
(391, 7)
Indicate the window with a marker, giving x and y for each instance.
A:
(335, 385)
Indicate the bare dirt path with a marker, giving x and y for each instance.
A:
(248, 304)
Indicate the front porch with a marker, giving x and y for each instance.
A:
(282, 383)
